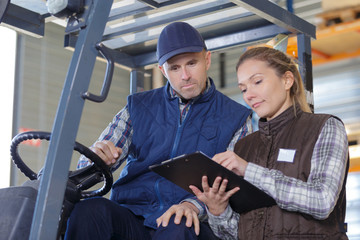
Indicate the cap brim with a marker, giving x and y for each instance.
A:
(169, 55)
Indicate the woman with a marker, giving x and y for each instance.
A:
(298, 158)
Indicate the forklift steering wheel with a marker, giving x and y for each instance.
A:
(79, 180)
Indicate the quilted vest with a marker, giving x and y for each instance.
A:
(158, 135)
(288, 131)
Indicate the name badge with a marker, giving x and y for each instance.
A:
(286, 155)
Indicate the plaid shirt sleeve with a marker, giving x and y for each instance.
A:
(245, 130)
(120, 132)
(199, 205)
(225, 226)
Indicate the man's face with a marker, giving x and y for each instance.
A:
(187, 73)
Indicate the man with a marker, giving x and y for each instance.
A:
(185, 116)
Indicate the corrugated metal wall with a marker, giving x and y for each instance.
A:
(42, 65)
(337, 90)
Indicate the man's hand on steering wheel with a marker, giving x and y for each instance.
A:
(186, 209)
(107, 151)
(79, 180)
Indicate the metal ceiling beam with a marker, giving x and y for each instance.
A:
(151, 3)
(155, 19)
(126, 8)
(278, 16)
(199, 22)
(252, 36)
(24, 20)
(240, 38)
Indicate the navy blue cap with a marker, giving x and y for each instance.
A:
(177, 38)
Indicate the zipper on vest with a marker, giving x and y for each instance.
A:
(159, 198)
(157, 192)
(179, 133)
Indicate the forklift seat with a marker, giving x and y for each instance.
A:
(17, 207)
(3, 7)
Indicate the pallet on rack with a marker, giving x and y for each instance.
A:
(330, 18)
(333, 43)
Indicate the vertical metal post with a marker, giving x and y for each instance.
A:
(289, 5)
(305, 60)
(136, 81)
(66, 124)
(222, 63)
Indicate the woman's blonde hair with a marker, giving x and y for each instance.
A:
(281, 63)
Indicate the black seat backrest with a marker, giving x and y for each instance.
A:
(3, 7)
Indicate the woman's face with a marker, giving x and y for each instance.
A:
(263, 90)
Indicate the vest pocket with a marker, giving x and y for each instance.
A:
(209, 131)
(134, 196)
(208, 139)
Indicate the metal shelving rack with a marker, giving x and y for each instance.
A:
(129, 29)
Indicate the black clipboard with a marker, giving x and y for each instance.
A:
(188, 170)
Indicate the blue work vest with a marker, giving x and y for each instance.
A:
(158, 135)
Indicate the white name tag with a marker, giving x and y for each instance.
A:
(286, 155)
